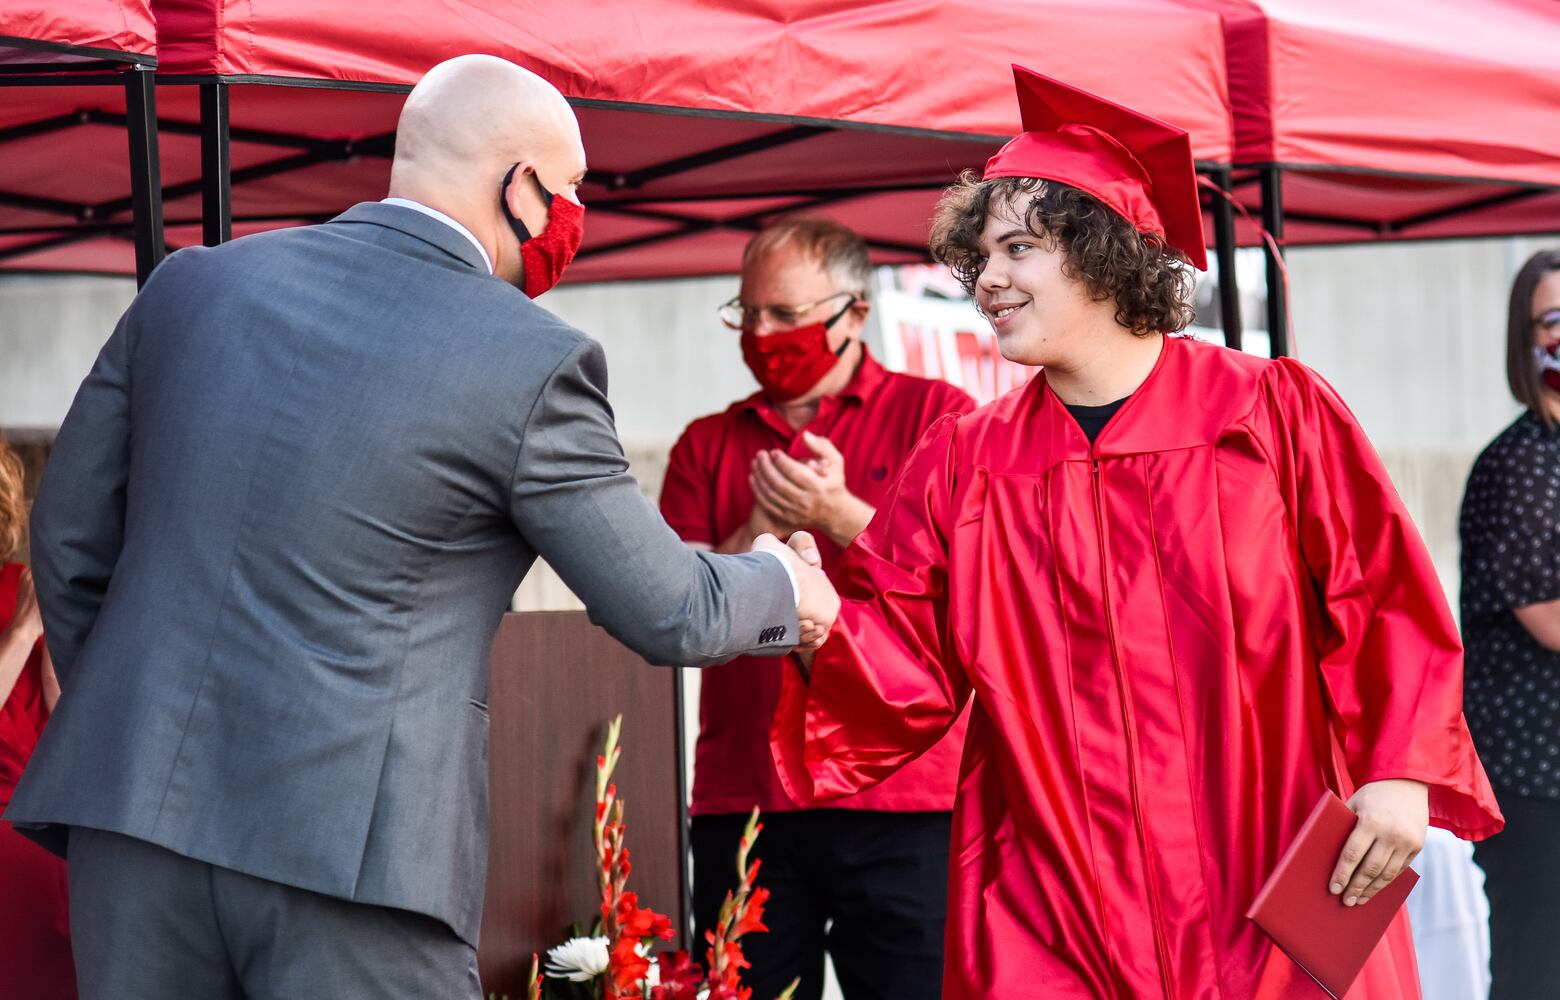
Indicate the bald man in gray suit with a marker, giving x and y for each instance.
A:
(276, 534)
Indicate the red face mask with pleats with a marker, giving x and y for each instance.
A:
(789, 363)
(549, 252)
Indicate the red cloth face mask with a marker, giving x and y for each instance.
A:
(790, 362)
(548, 253)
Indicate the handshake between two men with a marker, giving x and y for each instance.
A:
(817, 602)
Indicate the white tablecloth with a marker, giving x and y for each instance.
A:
(1451, 921)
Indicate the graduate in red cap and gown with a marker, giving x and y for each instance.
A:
(1180, 587)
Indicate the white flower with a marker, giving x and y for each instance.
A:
(653, 974)
(578, 960)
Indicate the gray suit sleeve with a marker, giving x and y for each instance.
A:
(572, 498)
(78, 519)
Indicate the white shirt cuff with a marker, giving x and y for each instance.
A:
(796, 588)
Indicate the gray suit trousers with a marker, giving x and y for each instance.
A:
(149, 924)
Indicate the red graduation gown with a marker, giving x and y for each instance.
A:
(1176, 639)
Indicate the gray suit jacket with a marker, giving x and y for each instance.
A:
(277, 531)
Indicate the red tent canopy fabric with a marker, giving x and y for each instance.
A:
(65, 34)
(700, 121)
(79, 44)
(1398, 119)
(1433, 87)
(1405, 118)
(938, 66)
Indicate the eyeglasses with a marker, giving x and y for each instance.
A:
(740, 316)
(1548, 322)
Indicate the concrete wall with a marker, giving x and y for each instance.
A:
(1413, 338)
(50, 330)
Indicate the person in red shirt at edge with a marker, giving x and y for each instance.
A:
(816, 447)
(1180, 586)
(35, 956)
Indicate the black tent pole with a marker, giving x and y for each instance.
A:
(216, 176)
(145, 172)
(1273, 222)
(1224, 252)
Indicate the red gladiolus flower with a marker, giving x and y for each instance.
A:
(681, 977)
(728, 971)
(679, 966)
(637, 923)
(752, 916)
(628, 967)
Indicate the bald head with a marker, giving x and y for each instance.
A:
(474, 116)
(465, 124)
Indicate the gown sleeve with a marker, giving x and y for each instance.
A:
(886, 686)
(1390, 655)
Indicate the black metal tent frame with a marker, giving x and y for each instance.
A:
(62, 65)
(217, 178)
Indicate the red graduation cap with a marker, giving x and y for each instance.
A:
(1139, 166)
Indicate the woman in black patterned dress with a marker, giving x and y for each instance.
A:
(1510, 529)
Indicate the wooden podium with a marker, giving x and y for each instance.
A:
(557, 681)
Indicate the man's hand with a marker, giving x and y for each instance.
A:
(808, 493)
(1393, 817)
(819, 604)
(813, 634)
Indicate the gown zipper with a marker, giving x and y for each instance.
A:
(1134, 780)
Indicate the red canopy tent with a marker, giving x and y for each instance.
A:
(1374, 121)
(691, 147)
(1393, 119)
(107, 46)
(88, 34)
(1399, 118)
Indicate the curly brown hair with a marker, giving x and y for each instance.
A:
(1150, 282)
(13, 502)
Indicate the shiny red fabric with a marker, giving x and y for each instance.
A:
(22, 714)
(1175, 640)
(874, 422)
(35, 956)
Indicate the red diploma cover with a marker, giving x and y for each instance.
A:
(1328, 940)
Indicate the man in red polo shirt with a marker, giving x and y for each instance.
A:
(817, 447)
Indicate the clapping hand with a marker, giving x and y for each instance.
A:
(787, 492)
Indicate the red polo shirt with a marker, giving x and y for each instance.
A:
(874, 422)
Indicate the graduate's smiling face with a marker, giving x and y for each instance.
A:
(1033, 304)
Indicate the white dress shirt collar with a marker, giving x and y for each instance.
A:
(434, 213)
